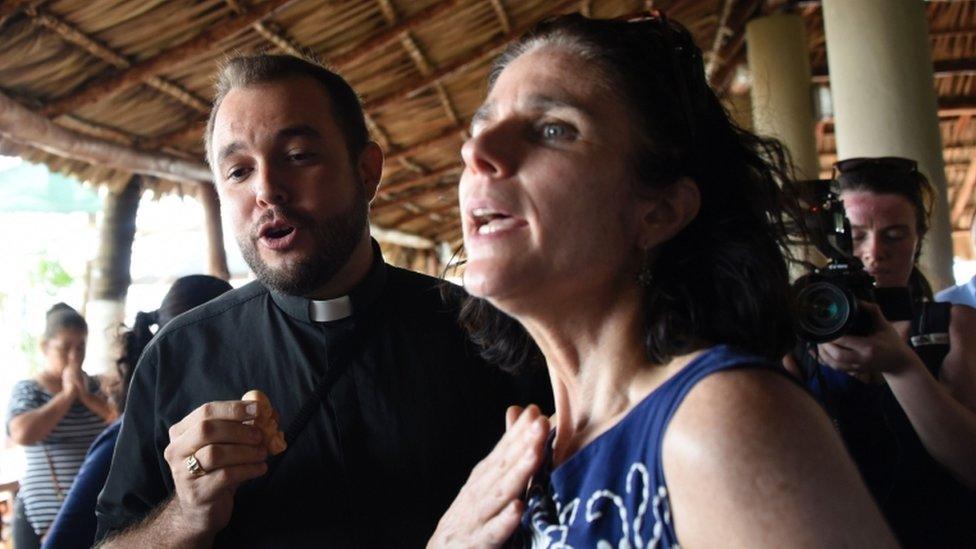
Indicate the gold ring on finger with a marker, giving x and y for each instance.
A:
(194, 467)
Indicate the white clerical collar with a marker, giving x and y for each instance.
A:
(328, 310)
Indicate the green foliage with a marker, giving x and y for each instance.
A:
(50, 276)
(29, 346)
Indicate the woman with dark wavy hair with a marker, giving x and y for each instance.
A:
(620, 229)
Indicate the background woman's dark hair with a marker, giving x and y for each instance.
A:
(882, 178)
(62, 316)
(724, 278)
(186, 293)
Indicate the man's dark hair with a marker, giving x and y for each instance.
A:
(722, 279)
(246, 70)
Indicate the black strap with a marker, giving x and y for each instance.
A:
(58, 491)
(934, 318)
(334, 368)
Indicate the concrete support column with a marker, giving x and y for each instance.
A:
(884, 100)
(740, 109)
(782, 104)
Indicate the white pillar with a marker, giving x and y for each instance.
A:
(104, 318)
(884, 100)
(782, 104)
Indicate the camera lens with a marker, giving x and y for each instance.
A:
(824, 310)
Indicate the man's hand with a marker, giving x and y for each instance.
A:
(882, 351)
(488, 509)
(227, 453)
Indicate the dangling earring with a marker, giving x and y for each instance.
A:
(644, 275)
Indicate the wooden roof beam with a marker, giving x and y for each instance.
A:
(722, 33)
(436, 214)
(167, 60)
(453, 133)
(369, 46)
(386, 190)
(101, 131)
(459, 65)
(400, 238)
(382, 40)
(729, 55)
(76, 36)
(20, 124)
(412, 198)
(274, 34)
(192, 130)
(360, 51)
(424, 66)
(502, 16)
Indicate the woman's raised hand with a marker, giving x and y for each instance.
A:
(69, 384)
(487, 510)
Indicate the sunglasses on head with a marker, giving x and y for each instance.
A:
(892, 163)
(683, 56)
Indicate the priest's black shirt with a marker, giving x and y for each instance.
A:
(380, 459)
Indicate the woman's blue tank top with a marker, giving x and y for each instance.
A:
(613, 493)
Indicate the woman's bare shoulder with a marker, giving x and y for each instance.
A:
(755, 457)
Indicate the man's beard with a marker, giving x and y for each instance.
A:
(335, 238)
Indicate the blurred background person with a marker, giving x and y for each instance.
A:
(75, 524)
(962, 294)
(904, 395)
(55, 415)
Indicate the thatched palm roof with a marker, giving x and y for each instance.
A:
(138, 73)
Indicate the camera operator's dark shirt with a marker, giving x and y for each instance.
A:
(381, 458)
(922, 502)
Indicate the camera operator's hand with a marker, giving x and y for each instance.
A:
(883, 351)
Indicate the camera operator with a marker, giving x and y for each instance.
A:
(904, 394)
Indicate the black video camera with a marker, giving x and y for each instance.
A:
(827, 299)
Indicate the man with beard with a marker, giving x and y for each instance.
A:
(383, 407)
